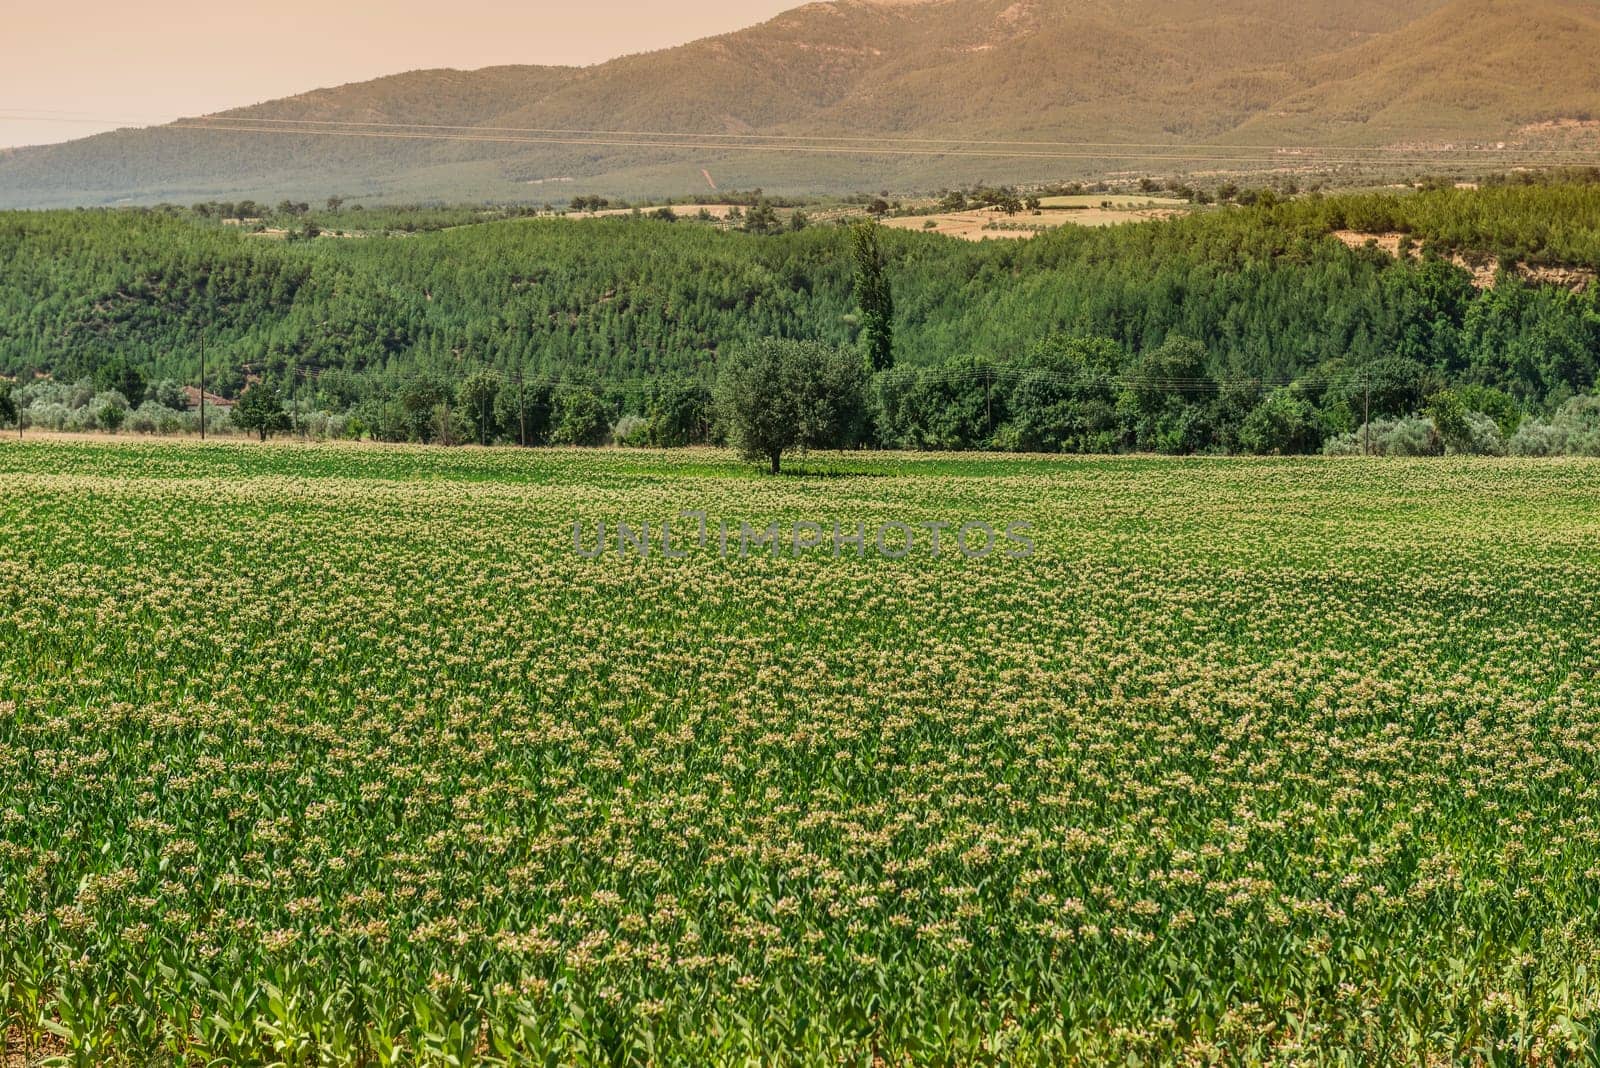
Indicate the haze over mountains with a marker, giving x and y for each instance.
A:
(1346, 75)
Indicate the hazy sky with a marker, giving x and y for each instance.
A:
(71, 67)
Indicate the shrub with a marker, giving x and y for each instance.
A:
(147, 418)
(1483, 437)
(1537, 438)
(632, 431)
(1283, 425)
(1408, 436)
(580, 419)
(108, 411)
(1411, 436)
(110, 417)
(325, 426)
(1497, 405)
(168, 394)
(1573, 431)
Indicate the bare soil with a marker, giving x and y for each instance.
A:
(1483, 269)
(985, 223)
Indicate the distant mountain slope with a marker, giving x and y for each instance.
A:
(1473, 68)
(1245, 72)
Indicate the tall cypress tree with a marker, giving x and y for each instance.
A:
(873, 297)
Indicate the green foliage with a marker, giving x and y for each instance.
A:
(873, 296)
(1574, 430)
(1487, 400)
(678, 412)
(355, 762)
(261, 411)
(1407, 436)
(626, 304)
(525, 411)
(167, 393)
(1066, 398)
(119, 375)
(579, 418)
(1393, 386)
(958, 405)
(631, 431)
(1283, 425)
(763, 219)
(1449, 417)
(476, 403)
(777, 395)
(111, 414)
(8, 402)
(418, 411)
(1156, 399)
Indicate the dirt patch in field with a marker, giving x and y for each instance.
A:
(967, 225)
(682, 211)
(1389, 242)
(985, 223)
(21, 1054)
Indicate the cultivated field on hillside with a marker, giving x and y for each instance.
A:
(980, 224)
(344, 755)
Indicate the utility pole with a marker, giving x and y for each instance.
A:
(202, 381)
(1366, 421)
(522, 419)
(988, 401)
(447, 419)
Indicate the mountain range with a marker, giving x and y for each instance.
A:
(858, 95)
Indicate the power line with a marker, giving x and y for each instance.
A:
(846, 144)
(1009, 374)
(870, 139)
(852, 145)
(851, 150)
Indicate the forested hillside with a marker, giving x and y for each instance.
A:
(1263, 297)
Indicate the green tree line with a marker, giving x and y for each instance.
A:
(1061, 342)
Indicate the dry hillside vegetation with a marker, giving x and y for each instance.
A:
(1440, 75)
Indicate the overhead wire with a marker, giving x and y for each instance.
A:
(854, 144)
(681, 144)
(996, 374)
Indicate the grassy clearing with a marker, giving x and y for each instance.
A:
(318, 755)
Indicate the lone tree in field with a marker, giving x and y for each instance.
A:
(873, 297)
(261, 410)
(777, 395)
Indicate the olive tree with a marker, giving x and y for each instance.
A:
(776, 395)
